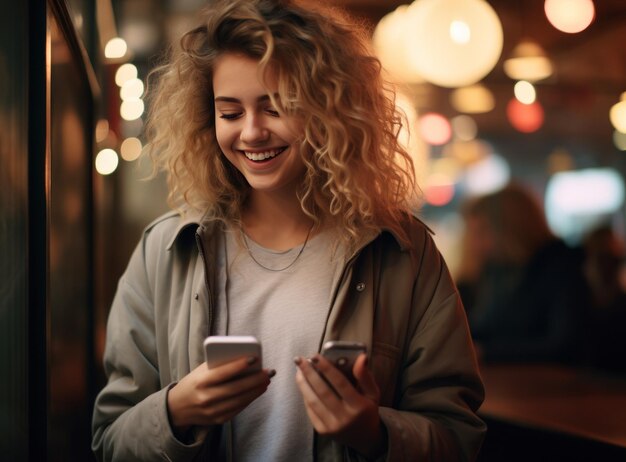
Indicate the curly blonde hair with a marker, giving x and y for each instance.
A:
(358, 177)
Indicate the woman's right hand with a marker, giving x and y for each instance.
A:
(214, 396)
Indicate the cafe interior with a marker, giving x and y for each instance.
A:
(492, 93)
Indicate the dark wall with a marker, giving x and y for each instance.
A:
(47, 97)
(13, 231)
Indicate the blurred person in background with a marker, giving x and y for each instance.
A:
(292, 223)
(604, 263)
(522, 287)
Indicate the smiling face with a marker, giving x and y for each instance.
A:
(258, 141)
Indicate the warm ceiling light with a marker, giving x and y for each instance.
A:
(106, 161)
(525, 92)
(619, 139)
(115, 48)
(435, 129)
(464, 128)
(439, 189)
(390, 45)
(125, 73)
(466, 152)
(617, 114)
(570, 16)
(131, 109)
(474, 99)
(528, 62)
(453, 42)
(132, 89)
(131, 149)
(525, 118)
(102, 130)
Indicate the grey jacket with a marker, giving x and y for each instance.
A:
(400, 302)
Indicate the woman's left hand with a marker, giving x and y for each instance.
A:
(337, 409)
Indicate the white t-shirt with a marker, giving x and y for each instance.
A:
(286, 310)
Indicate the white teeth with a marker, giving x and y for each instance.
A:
(262, 155)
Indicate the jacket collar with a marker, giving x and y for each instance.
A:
(189, 219)
(193, 219)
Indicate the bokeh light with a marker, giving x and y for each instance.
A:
(464, 127)
(435, 129)
(106, 161)
(131, 90)
(115, 48)
(439, 189)
(528, 62)
(525, 92)
(619, 139)
(473, 99)
(570, 16)
(617, 115)
(577, 200)
(453, 42)
(390, 45)
(487, 175)
(102, 130)
(525, 118)
(131, 109)
(131, 149)
(125, 73)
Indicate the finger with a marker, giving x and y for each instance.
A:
(211, 395)
(337, 380)
(314, 409)
(225, 410)
(320, 385)
(365, 379)
(228, 371)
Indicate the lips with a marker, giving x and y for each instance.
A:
(260, 156)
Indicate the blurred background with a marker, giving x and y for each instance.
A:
(529, 92)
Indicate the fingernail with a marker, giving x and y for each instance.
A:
(297, 360)
(251, 360)
(315, 360)
(271, 373)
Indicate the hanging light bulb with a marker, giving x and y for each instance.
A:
(391, 46)
(570, 16)
(473, 99)
(453, 42)
(528, 62)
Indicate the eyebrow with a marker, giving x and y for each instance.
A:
(230, 99)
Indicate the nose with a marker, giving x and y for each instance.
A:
(253, 130)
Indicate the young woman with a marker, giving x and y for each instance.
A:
(292, 224)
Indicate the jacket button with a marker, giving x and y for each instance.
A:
(360, 286)
(196, 296)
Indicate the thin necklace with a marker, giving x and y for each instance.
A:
(276, 270)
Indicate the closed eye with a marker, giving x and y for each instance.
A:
(272, 112)
(229, 116)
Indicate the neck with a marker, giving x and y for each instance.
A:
(275, 221)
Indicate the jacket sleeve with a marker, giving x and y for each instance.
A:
(130, 421)
(434, 414)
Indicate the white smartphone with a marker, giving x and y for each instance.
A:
(221, 349)
(343, 354)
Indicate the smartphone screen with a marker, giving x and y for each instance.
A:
(221, 349)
